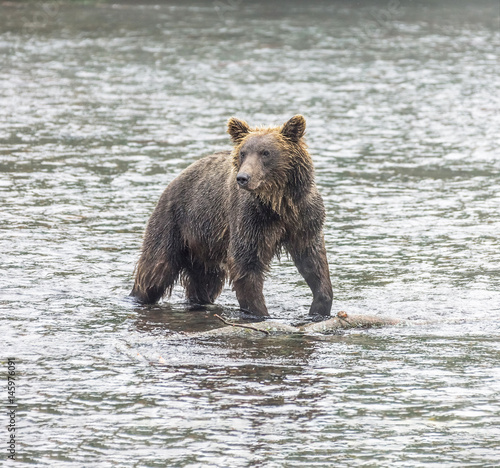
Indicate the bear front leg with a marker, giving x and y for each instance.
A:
(251, 248)
(313, 266)
(249, 294)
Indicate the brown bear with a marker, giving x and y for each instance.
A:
(227, 215)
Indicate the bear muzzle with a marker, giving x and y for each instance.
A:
(251, 173)
(243, 179)
(248, 182)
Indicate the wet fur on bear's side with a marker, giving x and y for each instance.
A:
(227, 215)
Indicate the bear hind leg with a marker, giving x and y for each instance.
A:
(154, 280)
(203, 284)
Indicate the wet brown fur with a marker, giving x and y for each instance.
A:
(206, 229)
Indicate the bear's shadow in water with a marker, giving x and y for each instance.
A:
(194, 318)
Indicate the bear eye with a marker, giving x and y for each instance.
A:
(266, 153)
(242, 154)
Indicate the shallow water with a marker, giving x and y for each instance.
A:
(104, 104)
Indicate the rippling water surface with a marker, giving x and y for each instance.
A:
(103, 104)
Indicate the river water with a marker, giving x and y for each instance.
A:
(103, 104)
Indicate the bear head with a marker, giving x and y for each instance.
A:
(269, 160)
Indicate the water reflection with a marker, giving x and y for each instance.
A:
(181, 318)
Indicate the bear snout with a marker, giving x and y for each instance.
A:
(250, 173)
(243, 179)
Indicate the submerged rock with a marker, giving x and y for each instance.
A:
(341, 321)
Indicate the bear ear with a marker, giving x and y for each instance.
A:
(295, 128)
(237, 129)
